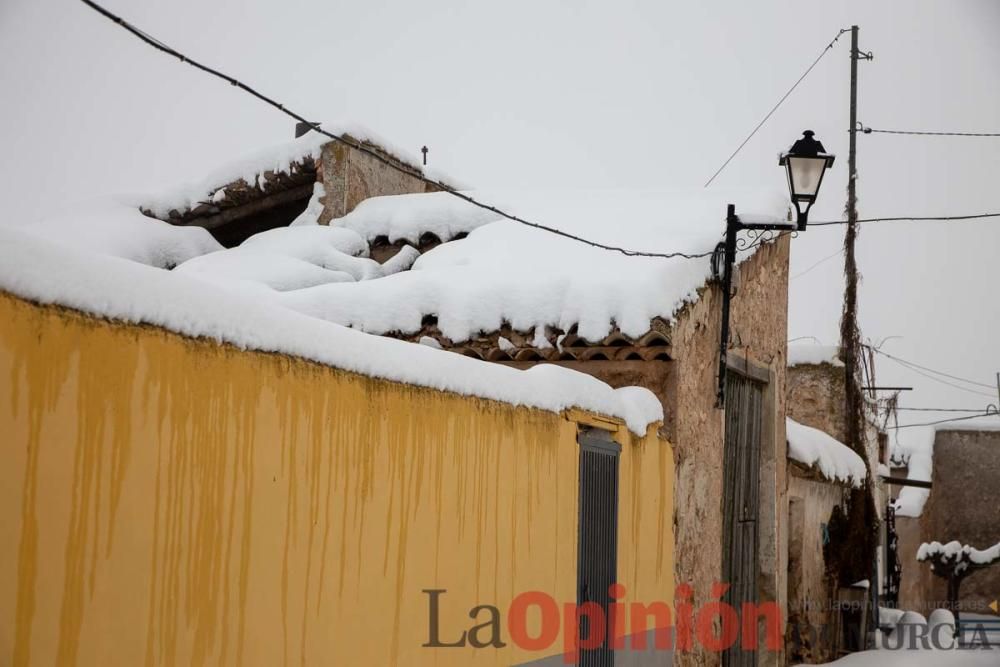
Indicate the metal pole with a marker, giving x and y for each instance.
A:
(732, 227)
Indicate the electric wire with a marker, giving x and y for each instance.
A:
(869, 130)
(417, 174)
(775, 107)
(931, 370)
(911, 218)
(950, 384)
(825, 259)
(944, 421)
(977, 410)
(393, 164)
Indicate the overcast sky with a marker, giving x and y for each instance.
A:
(538, 94)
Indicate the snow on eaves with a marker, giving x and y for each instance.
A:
(816, 449)
(408, 217)
(505, 272)
(814, 355)
(47, 273)
(911, 499)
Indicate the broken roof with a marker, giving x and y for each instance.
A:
(508, 276)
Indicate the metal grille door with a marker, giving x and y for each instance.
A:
(597, 565)
(741, 495)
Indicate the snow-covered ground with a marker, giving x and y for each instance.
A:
(920, 658)
(908, 643)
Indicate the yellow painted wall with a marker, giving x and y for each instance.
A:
(173, 501)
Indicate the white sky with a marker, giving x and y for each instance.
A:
(570, 94)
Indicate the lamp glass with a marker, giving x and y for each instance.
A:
(804, 176)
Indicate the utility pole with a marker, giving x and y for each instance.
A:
(862, 519)
(850, 337)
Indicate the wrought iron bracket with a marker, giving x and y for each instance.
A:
(723, 262)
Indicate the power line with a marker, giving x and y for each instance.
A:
(950, 384)
(931, 370)
(909, 218)
(977, 410)
(417, 174)
(393, 164)
(945, 421)
(825, 259)
(869, 130)
(775, 107)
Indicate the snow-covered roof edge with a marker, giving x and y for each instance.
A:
(814, 355)
(118, 289)
(815, 449)
(277, 158)
(991, 426)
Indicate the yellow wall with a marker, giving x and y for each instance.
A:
(173, 501)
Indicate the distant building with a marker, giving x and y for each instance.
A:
(823, 475)
(963, 507)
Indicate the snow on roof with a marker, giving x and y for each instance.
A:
(35, 269)
(292, 258)
(277, 158)
(408, 217)
(505, 272)
(814, 448)
(116, 227)
(803, 355)
(911, 499)
(918, 456)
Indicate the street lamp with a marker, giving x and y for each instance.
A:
(805, 163)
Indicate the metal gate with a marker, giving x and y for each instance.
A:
(597, 564)
(741, 495)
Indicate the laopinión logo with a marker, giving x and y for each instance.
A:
(620, 625)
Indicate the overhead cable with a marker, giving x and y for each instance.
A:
(870, 130)
(945, 421)
(358, 146)
(775, 107)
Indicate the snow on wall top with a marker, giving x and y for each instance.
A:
(507, 272)
(35, 269)
(813, 355)
(986, 423)
(814, 448)
(277, 158)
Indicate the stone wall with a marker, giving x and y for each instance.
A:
(963, 506)
(810, 610)
(759, 326)
(915, 579)
(350, 176)
(816, 397)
